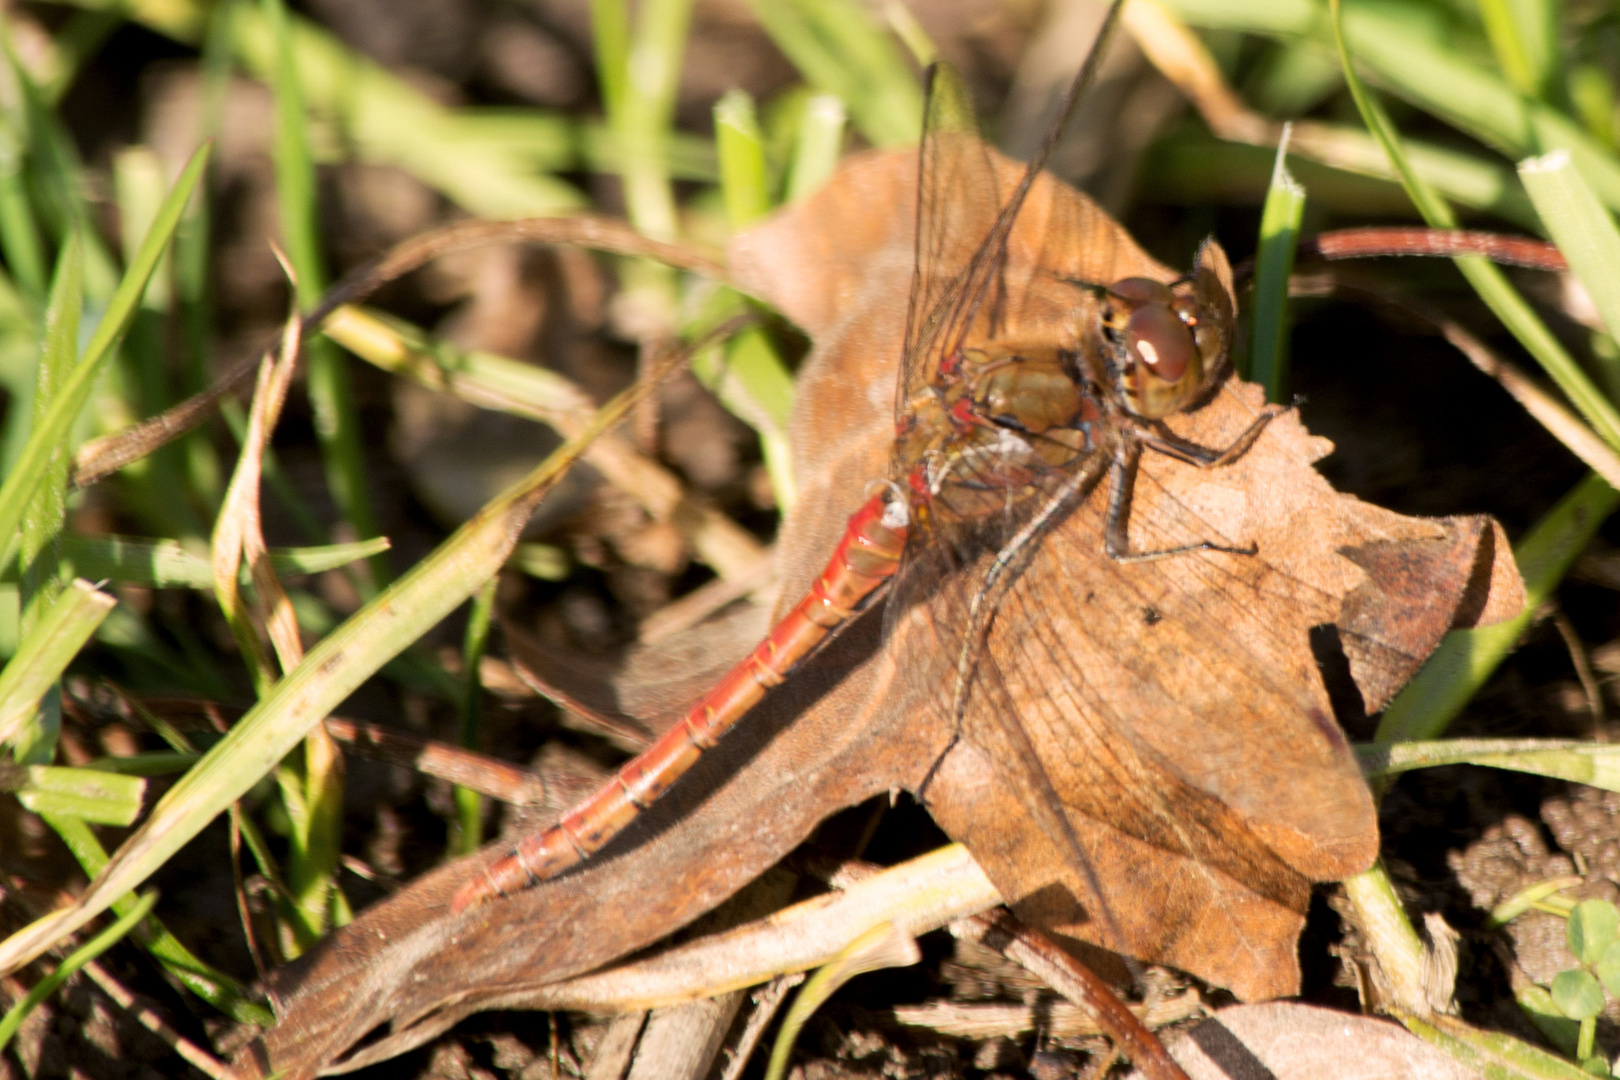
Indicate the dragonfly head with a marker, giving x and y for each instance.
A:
(1170, 342)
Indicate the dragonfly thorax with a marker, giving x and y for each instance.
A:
(995, 418)
(1026, 388)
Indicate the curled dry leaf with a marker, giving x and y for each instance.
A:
(1288, 1041)
(1177, 707)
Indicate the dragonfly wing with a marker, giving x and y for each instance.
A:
(964, 218)
(959, 194)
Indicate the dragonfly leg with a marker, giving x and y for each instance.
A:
(1172, 445)
(928, 777)
(1116, 530)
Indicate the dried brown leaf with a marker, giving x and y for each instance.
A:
(1179, 711)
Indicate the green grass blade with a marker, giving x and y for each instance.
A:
(883, 946)
(55, 173)
(469, 803)
(1428, 71)
(1594, 764)
(312, 794)
(44, 652)
(841, 49)
(337, 421)
(215, 987)
(80, 957)
(910, 32)
(748, 376)
(1487, 279)
(19, 231)
(295, 168)
(1466, 658)
(312, 787)
(39, 571)
(610, 36)
(385, 119)
(1274, 262)
(330, 672)
(1591, 94)
(1190, 166)
(653, 78)
(1381, 919)
(743, 181)
(51, 433)
(818, 147)
(157, 763)
(1582, 228)
(1523, 33)
(168, 564)
(138, 185)
(101, 798)
(1438, 78)
(1490, 1053)
(755, 385)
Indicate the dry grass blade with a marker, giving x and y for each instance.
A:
(314, 798)
(767, 1000)
(705, 600)
(336, 667)
(923, 894)
(1186, 62)
(509, 386)
(1182, 58)
(486, 775)
(238, 532)
(98, 458)
(1063, 1019)
(1563, 424)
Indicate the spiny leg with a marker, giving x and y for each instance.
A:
(1121, 486)
(1172, 445)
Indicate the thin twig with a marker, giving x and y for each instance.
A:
(511, 784)
(1583, 672)
(99, 458)
(149, 1018)
(1420, 240)
(767, 1000)
(1043, 957)
(705, 600)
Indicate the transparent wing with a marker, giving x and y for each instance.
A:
(964, 218)
(958, 199)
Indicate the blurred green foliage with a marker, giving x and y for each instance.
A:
(87, 318)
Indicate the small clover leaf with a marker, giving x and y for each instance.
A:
(1577, 994)
(1607, 969)
(1593, 926)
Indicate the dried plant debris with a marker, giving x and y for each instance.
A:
(1584, 844)
(650, 569)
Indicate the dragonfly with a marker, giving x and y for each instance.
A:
(997, 440)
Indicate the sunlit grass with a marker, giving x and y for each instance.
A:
(1497, 85)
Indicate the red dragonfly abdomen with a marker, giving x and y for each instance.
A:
(865, 558)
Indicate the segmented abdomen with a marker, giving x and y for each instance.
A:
(866, 556)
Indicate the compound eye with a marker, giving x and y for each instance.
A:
(1161, 341)
(1133, 292)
